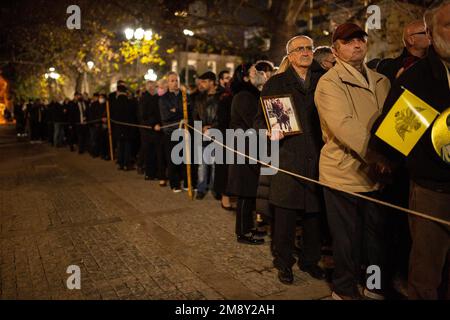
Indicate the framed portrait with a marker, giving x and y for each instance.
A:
(280, 114)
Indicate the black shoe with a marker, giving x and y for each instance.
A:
(249, 240)
(120, 168)
(314, 271)
(259, 233)
(230, 208)
(200, 195)
(285, 275)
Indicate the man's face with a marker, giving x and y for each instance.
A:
(301, 53)
(417, 36)
(225, 80)
(258, 78)
(151, 86)
(328, 62)
(172, 82)
(205, 85)
(352, 51)
(441, 33)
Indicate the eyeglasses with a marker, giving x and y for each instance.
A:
(423, 32)
(302, 49)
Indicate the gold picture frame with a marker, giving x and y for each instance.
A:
(279, 111)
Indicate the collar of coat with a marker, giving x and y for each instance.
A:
(438, 67)
(313, 75)
(349, 74)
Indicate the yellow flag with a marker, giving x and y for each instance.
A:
(406, 122)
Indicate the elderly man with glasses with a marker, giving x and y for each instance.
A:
(416, 46)
(299, 153)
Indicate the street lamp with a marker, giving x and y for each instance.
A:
(90, 65)
(136, 36)
(139, 34)
(188, 33)
(148, 35)
(52, 76)
(150, 75)
(129, 33)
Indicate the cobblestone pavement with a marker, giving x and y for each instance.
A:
(130, 238)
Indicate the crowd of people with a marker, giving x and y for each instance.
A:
(340, 101)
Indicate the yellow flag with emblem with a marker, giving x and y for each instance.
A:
(406, 122)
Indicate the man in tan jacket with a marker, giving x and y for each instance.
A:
(349, 98)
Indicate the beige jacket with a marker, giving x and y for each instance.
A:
(348, 106)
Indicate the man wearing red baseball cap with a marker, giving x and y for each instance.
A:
(349, 97)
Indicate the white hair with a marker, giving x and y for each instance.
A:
(430, 15)
(295, 38)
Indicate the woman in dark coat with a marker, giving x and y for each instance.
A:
(124, 112)
(299, 154)
(243, 178)
(221, 170)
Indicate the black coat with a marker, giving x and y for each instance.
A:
(58, 113)
(148, 114)
(171, 110)
(74, 116)
(390, 67)
(93, 112)
(243, 178)
(223, 123)
(206, 109)
(427, 79)
(124, 111)
(36, 112)
(263, 206)
(298, 153)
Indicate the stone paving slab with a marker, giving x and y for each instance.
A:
(130, 238)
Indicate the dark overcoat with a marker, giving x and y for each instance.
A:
(297, 153)
(243, 178)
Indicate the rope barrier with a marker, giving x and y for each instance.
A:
(142, 126)
(86, 122)
(119, 122)
(387, 204)
(293, 174)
